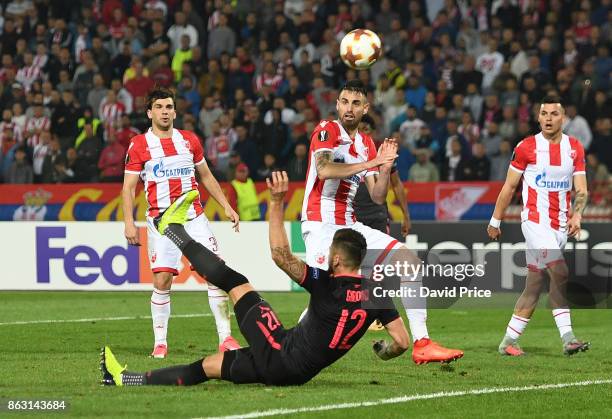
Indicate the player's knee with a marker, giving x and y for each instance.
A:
(559, 272)
(162, 280)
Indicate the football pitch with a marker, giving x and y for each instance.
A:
(51, 342)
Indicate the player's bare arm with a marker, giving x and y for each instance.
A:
(279, 244)
(328, 169)
(128, 194)
(401, 341)
(214, 189)
(503, 200)
(400, 194)
(378, 185)
(580, 201)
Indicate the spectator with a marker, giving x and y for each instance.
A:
(473, 101)
(576, 126)
(163, 74)
(140, 84)
(221, 39)
(188, 91)
(415, 93)
(96, 94)
(182, 54)
(179, 29)
(269, 166)
(468, 129)
(54, 164)
(112, 160)
(500, 161)
(83, 78)
(410, 129)
(454, 162)
(423, 170)
(126, 131)
(508, 127)
(490, 64)
(298, 165)
(246, 200)
(21, 170)
(218, 148)
(88, 152)
(491, 139)
(246, 148)
(275, 135)
(478, 167)
(157, 44)
(602, 142)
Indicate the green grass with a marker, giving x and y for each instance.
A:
(60, 361)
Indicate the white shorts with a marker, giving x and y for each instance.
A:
(164, 256)
(543, 245)
(318, 237)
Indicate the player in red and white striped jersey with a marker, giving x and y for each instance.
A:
(166, 160)
(549, 164)
(341, 157)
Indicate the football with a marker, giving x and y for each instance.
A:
(360, 48)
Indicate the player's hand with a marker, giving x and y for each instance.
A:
(278, 184)
(493, 232)
(381, 349)
(387, 153)
(574, 225)
(131, 234)
(406, 225)
(234, 218)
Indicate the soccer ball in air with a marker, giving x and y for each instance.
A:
(360, 48)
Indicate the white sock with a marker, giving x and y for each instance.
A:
(416, 307)
(516, 326)
(563, 320)
(160, 312)
(417, 320)
(218, 301)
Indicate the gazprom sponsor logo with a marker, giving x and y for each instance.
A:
(541, 182)
(159, 171)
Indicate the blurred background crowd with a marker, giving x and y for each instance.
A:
(458, 82)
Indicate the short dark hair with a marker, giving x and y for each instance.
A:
(352, 244)
(551, 99)
(355, 86)
(159, 92)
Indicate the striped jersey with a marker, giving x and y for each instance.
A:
(166, 167)
(548, 171)
(331, 200)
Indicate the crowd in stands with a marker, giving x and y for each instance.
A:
(458, 83)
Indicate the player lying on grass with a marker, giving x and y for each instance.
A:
(336, 317)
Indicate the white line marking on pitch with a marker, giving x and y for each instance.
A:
(100, 319)
(404, 399)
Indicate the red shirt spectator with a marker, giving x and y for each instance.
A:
(111, 161)
(139, 85)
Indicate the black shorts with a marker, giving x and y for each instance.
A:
(262, 361)
(377, 223)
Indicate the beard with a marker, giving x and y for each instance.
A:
(350, 124)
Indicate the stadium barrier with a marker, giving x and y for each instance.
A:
(94, 256)
(102, 202)
(444, 201)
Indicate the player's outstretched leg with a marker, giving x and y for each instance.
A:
(113, 374)
(424, 349)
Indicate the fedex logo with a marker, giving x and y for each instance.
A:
(82, 264)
